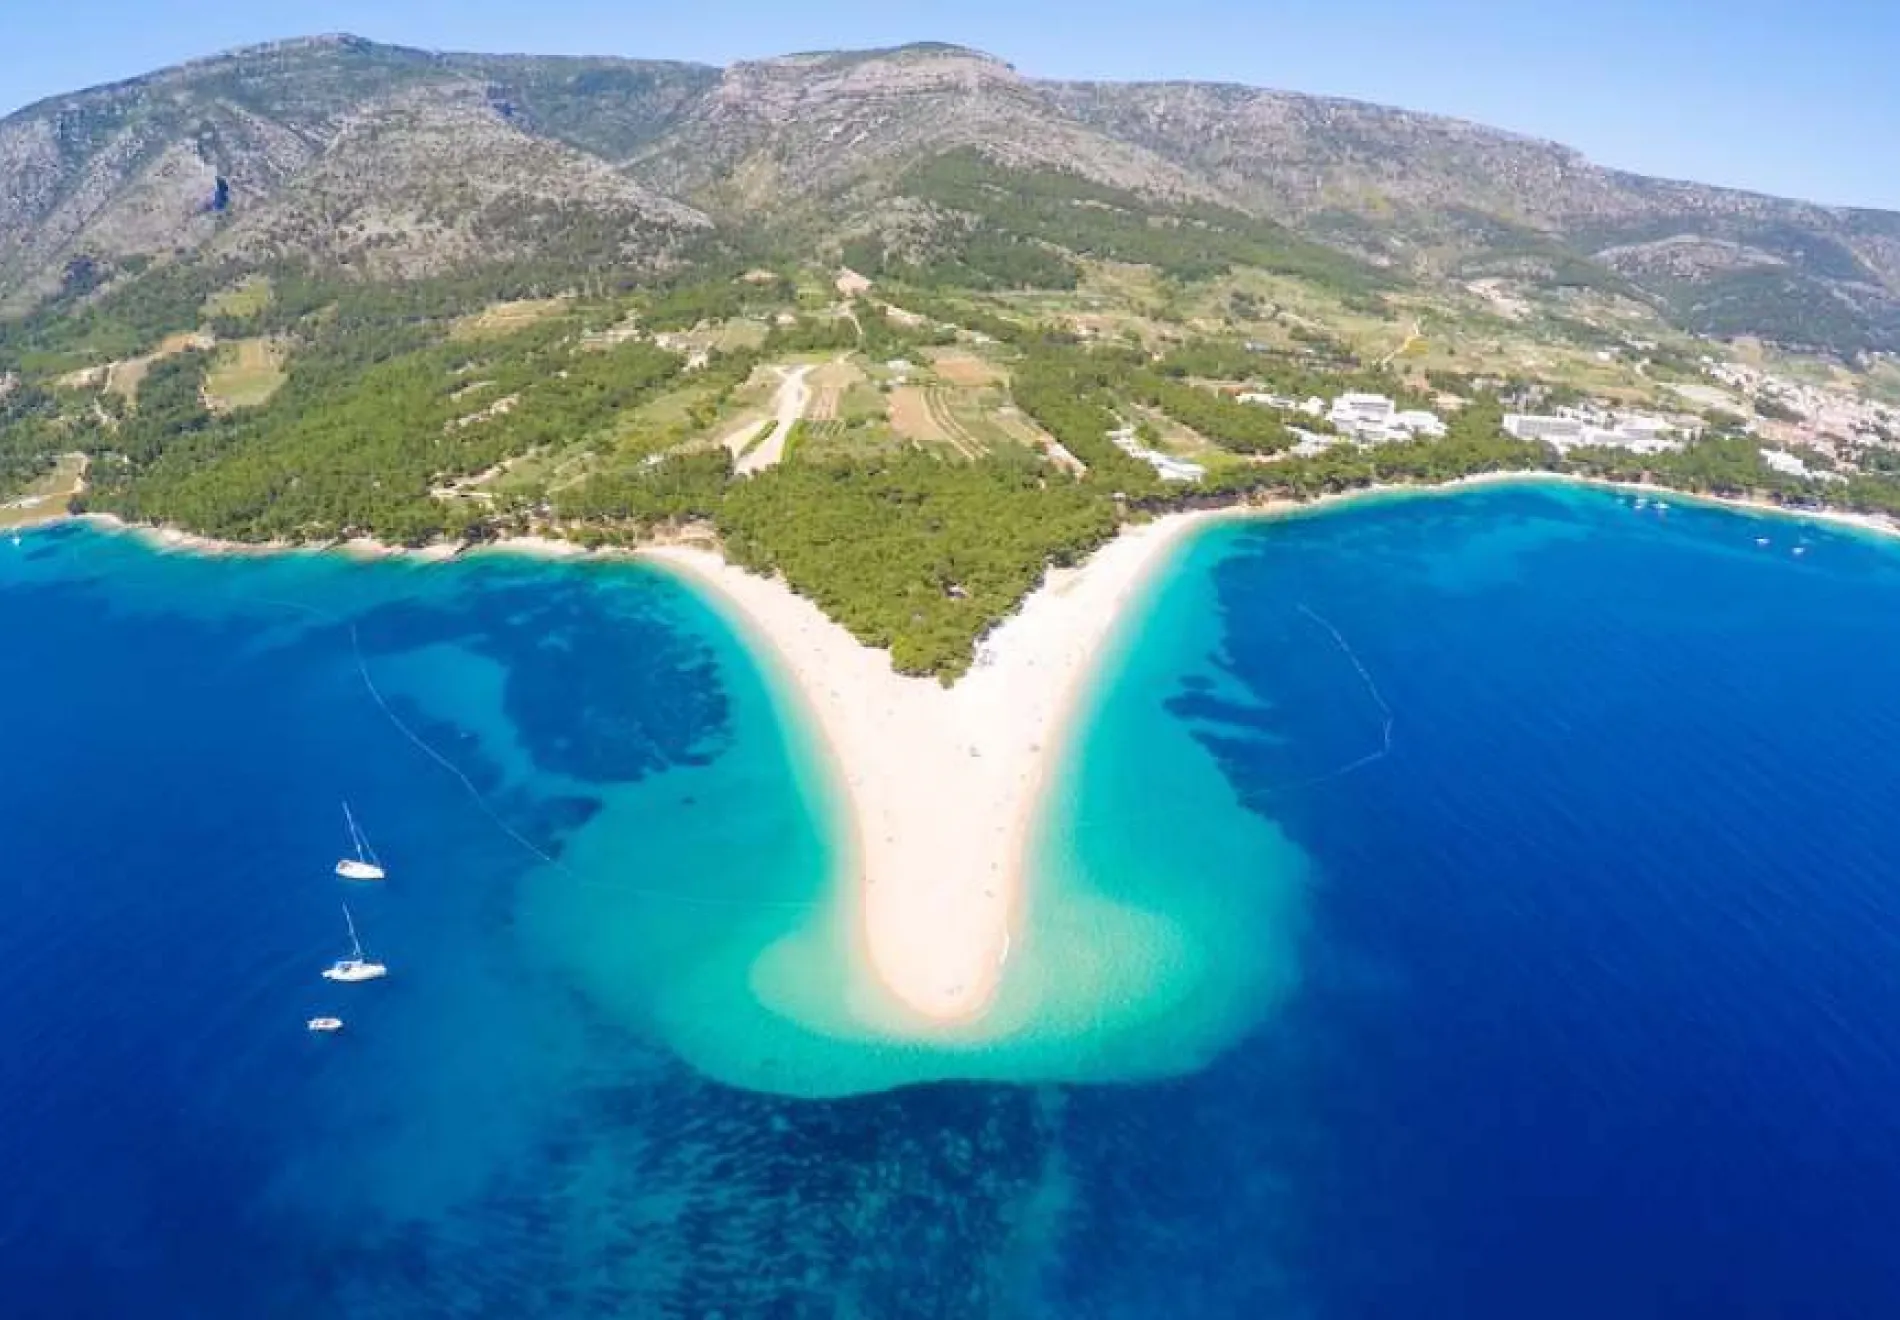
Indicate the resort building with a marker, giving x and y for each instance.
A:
(1280, 401)
(1373, 419)
(1418, 422)
(1563, 432)
(1793, 465)
(1352, 413)
(1313, 407)
(1312, 443)
(1370, 419)
(1582, 428)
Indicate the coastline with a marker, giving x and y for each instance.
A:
(552, 547)
(941, 785)
(1872, 523)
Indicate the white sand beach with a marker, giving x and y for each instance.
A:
(942, 784)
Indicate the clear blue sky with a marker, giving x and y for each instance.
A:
(1800, 97)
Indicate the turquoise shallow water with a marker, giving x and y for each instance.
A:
(1509, 872)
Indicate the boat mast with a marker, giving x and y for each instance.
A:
(364, 853)
(356, 835)
(356, 945)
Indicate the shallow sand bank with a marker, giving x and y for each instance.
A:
(941, 784)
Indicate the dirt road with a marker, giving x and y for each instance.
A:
(794, 395)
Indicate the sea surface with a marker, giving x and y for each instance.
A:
(1511, 872)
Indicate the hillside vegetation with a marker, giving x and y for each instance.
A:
(384, 162)
(904, 327)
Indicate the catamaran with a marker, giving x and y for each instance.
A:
(365, 865)
(355, 967)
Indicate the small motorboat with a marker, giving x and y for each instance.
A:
(365, 865)
(356, 967)
(325, 1024)
(1761, 540)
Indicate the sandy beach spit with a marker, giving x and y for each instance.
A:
(941, 783)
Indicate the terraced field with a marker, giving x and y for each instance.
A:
(952, 421)
(507, 317)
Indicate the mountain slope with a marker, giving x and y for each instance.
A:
(133, 169)
(373, 140)
(775, 133)
(390, 163)
(1457, 198)
(380, 202)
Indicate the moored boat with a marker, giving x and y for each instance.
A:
(356, 967)
(365, 865)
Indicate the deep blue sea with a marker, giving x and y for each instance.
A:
(1589, 1004)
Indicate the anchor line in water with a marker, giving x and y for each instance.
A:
(1386, 718)
(1388, 723)
(481, 799)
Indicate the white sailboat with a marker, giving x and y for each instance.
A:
(365, 865)
(356, 967)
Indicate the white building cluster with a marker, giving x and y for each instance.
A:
(1373, 419)
(1170, 467)
(1313, 407)
(1793, 465)
(1577, 428)
(1824, 412)
(1370, 419)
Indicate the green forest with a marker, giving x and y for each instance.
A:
(1183, 241)
(393, 424)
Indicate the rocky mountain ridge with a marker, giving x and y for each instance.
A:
(387, 162)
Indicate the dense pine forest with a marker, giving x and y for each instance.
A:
(527, 397)
(394, 421)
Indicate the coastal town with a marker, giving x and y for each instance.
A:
(1803, 431)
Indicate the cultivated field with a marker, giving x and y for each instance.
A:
(939, 415)
(506, 317)
(840, 391)
(1172, 437)
(244, 374)
(1010, 420)
(123, 378)
(912, 417)
(246, 298)
(47, 497)
(965, 369)
(825, 398)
